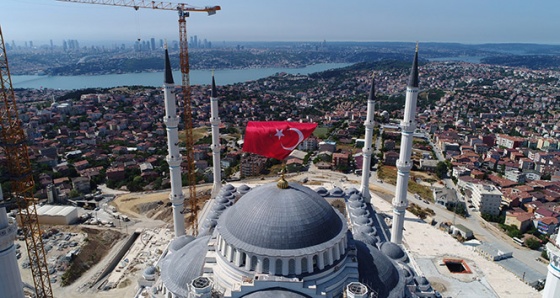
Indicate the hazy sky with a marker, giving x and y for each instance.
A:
(464, 21)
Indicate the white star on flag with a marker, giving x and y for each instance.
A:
(279, 133)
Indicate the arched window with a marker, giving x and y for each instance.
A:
(304, 264)
(266, 265)
(292, 266)
(253, 263)
(278, 268)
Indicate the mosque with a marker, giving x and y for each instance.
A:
(284, 239)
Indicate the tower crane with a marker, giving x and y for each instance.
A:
(14, 143)
(184, 11)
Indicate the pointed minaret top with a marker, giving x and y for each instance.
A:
(372, 90)
(213, 94)
(168, 73)
(413, 80)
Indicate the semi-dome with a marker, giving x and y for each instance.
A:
(180, 242)
(273, 218)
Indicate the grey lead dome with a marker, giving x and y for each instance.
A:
(274, 218)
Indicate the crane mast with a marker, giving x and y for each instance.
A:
(15, 147)
(183, 10)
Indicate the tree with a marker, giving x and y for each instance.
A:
(441, 169)
(532, 243)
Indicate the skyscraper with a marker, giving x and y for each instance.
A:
(10, 278)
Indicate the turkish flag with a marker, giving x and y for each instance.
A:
(275, 139)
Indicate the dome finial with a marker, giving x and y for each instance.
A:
(282, 183)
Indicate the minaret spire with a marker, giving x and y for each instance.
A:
(367, 150)
(168, 72)
(413, 79)
(174, 158)
(404, 164)
(215, 122)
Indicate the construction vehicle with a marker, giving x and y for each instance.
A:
(184, 11)
(14, 142)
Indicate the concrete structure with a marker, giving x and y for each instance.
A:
(404, 164)
(366, 150)
(215, 122)
(10, 278)
(486, 198)
(552, 286)
(173, 158)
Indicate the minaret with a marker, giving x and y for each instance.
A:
(215, 122)
(552, 285)
(174, 159)
(10, 278)
(404, 164)
(366, 151)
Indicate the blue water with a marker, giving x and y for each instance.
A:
(197, 77)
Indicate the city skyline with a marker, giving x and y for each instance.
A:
(250, 20)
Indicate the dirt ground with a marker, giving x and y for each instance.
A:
(154, 205)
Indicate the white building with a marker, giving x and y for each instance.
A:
(552, 285)
(486, 198)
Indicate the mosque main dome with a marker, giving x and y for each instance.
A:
(273, 218)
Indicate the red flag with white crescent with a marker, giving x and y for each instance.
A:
(275, 139)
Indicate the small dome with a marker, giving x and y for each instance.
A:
(228, 195)
(355, 197)
(210, 223)
(362, 220)
(219, 207)
(243, 189)
(351, 191)
(357, 205)
(180, 242)
(274, 218)
(220, 199)
(359, 212)
(392, 250)
(336, 192)
(229, 188)
(365, 238)
(322, 191)
(150, 270)
(213, 214)
(366, 229)
(421, 280)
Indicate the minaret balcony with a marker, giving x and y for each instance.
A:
(404, 166)
(408, 127)
(8, 235)
(176, 198)
(171, 121)
(174, 161)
